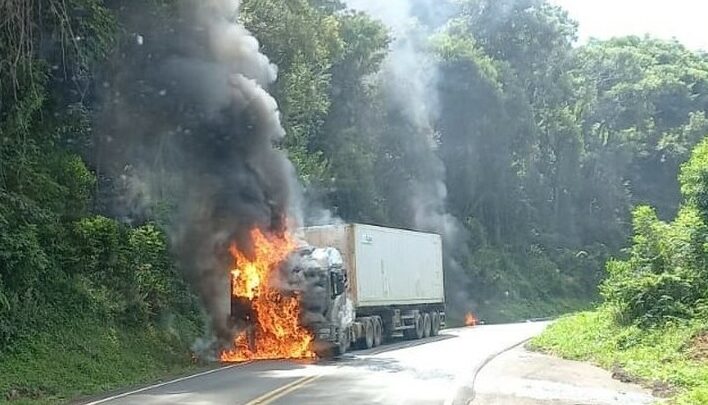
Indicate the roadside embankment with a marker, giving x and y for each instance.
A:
(671, 360)
(82, 357)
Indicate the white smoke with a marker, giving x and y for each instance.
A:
(410, 77)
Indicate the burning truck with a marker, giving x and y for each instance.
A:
(343, 286)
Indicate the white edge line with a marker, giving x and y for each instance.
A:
(125, 394)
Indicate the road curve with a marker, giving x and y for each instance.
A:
(431, 371)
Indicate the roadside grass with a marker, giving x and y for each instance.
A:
(81, 357)
(662, 359)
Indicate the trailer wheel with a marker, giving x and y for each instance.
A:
(368, 333)
(378, 331)
(419, 326)
(426, 325)
(435, 323)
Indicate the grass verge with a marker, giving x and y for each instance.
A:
(84, 357)
(671, 360)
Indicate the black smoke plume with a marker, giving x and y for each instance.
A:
(187, 120)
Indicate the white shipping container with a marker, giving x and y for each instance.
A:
(386, 266)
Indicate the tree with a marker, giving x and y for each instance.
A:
(643, 107)
(304, 42)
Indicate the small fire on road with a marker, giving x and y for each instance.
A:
(470, 319)
(274, 330)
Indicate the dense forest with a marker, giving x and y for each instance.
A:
(477, 119)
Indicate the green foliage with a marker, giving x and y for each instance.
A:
(82, 355)
(126, 274)
(653, 356)
(533, 283)
(544, 150)
(655, 299)
(665, 276)
(304, 42)
(155, 277)
(544, 155)
(694, 180)
(353, 125)
(85, 292)
(643, 105)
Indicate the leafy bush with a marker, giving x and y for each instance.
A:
(666, 275)
(694, 180)
(156, 279)
(125, 273)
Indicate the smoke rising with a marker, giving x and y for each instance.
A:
(188, 117)
(409, 77)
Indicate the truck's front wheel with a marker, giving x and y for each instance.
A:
(344, 342)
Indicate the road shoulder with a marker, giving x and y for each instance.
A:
(528, 378)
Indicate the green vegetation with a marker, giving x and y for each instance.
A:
(654, 321)
(79, 356)
(544, 149)
(86, 303)
(663, 358)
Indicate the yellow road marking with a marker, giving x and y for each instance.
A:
(283, 391)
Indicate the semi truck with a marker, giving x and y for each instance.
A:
(375, 283)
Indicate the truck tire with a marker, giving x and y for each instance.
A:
(344, 342)
(368, 333)
(435, 323)
(426, 325)
(419, 326)
(378, 331)
(366, 338)
(418, 330)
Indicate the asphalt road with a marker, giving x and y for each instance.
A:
(436, 370)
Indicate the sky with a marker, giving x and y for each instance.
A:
(685, 20)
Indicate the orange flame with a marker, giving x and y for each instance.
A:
(277, 333)
(470, 319)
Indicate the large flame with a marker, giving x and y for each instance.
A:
(276, 332)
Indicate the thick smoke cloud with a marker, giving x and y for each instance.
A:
(409, 77)
(188, 120)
